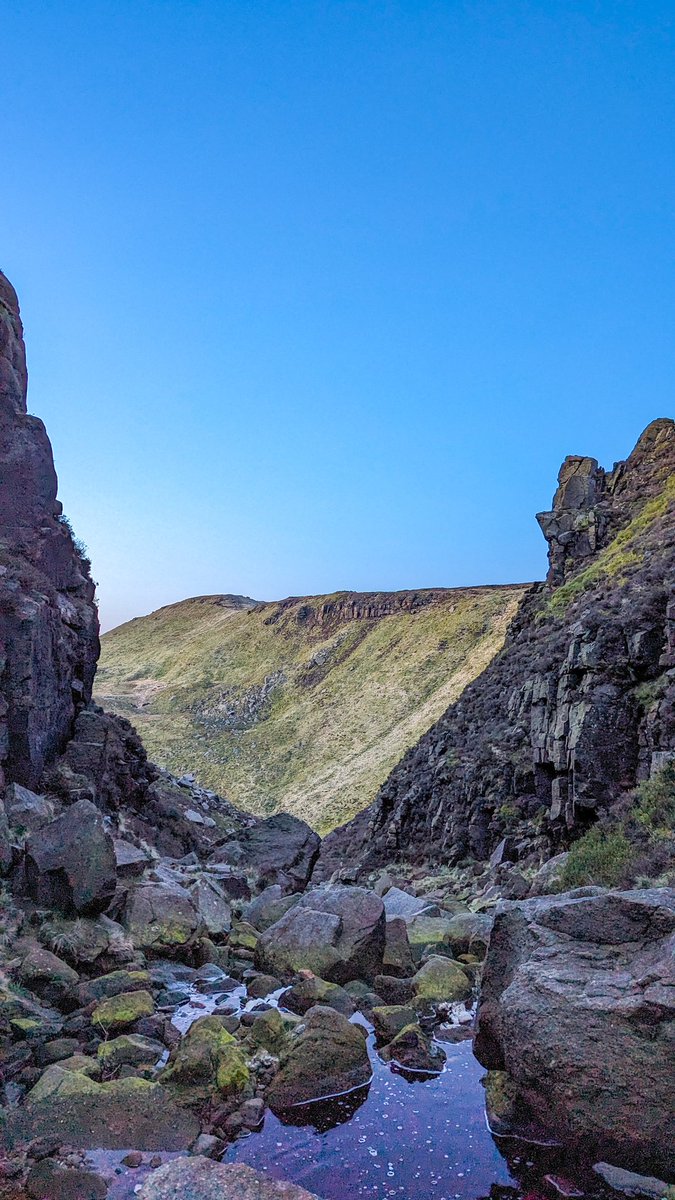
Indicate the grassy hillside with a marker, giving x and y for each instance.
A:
(303, 705)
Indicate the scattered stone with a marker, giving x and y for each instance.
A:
(262, 985)
(252, 1113)
(133, 1160)
(208, 1145)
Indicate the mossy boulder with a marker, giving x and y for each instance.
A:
(108, 1116)
(390, 1019)
(428, 933)
(161, 918)
(83, 1064)
(327, 1057)
(129, 1049)
(112, 984)
(208, 1057)
(440, 979)
(243, 936)
(412, 1049)
(268, 1031)
(308, 992)
(118, 1012)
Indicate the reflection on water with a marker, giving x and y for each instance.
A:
(406, 1137)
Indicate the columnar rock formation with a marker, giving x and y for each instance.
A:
(579, 704)
(48, 619)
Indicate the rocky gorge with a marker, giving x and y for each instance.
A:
(469, 990)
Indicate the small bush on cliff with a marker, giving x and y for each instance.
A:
(634, 841)
(81, 548)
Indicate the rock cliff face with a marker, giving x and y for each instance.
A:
(578, 706)
(48, 619)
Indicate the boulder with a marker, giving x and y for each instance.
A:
(130, 860)
(48, 1180)
(548, 879)
(26, 810)
(202, 1179)
(440, 979)
(392, 989)
(328, 1057)
(578, 1005)
(118, 1012)
(308, 992)
(397, 958)
(390, 1019)
(412, 1049)
(129, 1049)
(334, 931)
(427, 934)
(268, 1031)
(161, 918)
(211, 903)
(468, 933)
(113, 984)
(631, 1184)
(268, 907)
(107, 1116)
(208, 1057)
(70, 863)
(49, 977)
(282, 849)
(398, 903)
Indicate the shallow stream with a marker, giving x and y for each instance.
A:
(403, 1136)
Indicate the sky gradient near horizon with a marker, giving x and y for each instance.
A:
(318, 294)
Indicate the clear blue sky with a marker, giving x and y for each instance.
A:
(319, 294)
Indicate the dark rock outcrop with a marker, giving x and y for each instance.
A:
(48, 620)
(578, 1006)
(577, 707)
